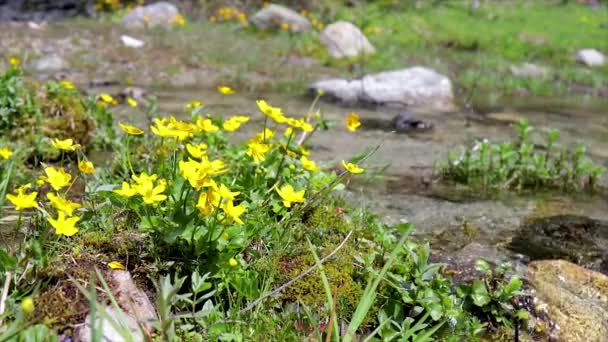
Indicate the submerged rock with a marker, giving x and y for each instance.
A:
(417, 86)
(578, 239)
(273, 16)
(406, 122)
(574, 297)
(157, 14)
(591, 57)
(529, 70)
(343, 39)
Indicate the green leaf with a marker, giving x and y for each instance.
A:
(512, 288)
(479, 293)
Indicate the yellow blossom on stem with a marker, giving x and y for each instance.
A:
(264, 136)
(225, 90)
(289, 195)
(226, 194)
(131, 102)
(208, 201)
(197, 151)
(257, 151)
(86, 167)
(107, 98)
(14, 61)
(308, 164)
(162, 129)
(144, 178)
(64, 226)
(66, 145)
(116, 265)
(6, 152)
(150, 193)
(27, 305)
(275, 113)
(21, 200)
(234, 123)
(193, 104)
(232, 262)
(206, 125)
(130, 129)
(352, 121)
(66, 85)
(62, 204)
(233, 212)
(299, 123)
(352, 168)
(57, 178)
(126, 191)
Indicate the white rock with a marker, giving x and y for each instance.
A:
(132, 42)
(157, 14)
(343, 39)
(50, 63)
(412, 87)
(590, 57)
(529, 70)
(272, 16)
(111, 326)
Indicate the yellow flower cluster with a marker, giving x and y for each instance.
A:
(313, 20)
(373, 30)
(178, 20)
(182, 130)
(147, 186)
(223, 14)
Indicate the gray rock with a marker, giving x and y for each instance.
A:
(25, 10)
(272, 16)
(115, 326)
(50, 63)
(344, 39)
(529, 70)
(157, 14)
(590, 57)
(417, 87)
(130, 298)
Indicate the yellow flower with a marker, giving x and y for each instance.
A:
(62, 204)
(352, 121)
(107, 98)
(57, 178)
(21, 200)
(150, 193)
(234, 123)
(14, 61)
(116, 265)
(196, 173)
(193, 104)
(182, 125)
(289, 196)
(178, 20)
(233, 212)
(352, 168)
(163, 130)
(208, 201)
(86, 167)
(288, 132)
(6, 152)
(66, 145)
(130, 129)
(67, 85)
(257, 151)
(303, 125)
(308, 164)
(284, 26)
(131, 102)
(224, 90)
(206, 125)
(126, 191)
(144, 178)
(268, 134)
(274, 113)
(63, 226)
(27, 305)
(226, 194)
(232, 262)
(197, 151)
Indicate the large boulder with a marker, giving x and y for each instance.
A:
(157, 14)
(412, 87)
(274, 16)
(344, 39)
(574, 297)
(591, 57)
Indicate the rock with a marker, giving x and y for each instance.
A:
(575, 298)
(529, 70)
(505, 117)
(108, 323)
(273, 16)
(131, 42)
(406, 122)
(131, 299)
(344, 39)
(26, 10)
(578, 239)
(157, 14)
(590, 57)
(136, 93)
(50, 63)
(417, 86)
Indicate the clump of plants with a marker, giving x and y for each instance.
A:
(522, 165)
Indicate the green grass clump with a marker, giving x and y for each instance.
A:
(522, 165)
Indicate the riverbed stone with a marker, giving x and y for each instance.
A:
(411, 87)
(575, 298)
(131, 299)
(591, 57)
(529, 70)
(157, 14)
(50, 63)
(343, 39)
(273, 16)
(578, 239)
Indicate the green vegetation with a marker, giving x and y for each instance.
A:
(522, 165)
(238, 241)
